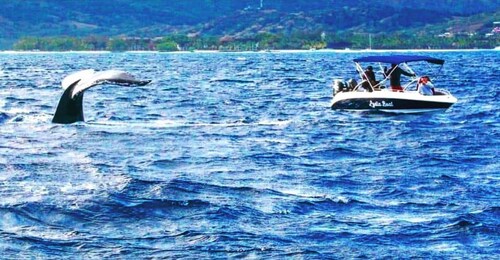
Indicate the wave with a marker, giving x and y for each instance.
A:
(388, 192)
(337, 153)
(324, 205)
(4, 117)
(232, 80)
(37, 215)
(155, 124)
(144, 205)
(307, 253)
(301, 80)
(193, 187)
(272, 156)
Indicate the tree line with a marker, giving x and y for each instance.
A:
(261, 41)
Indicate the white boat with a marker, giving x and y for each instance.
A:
(370, 96)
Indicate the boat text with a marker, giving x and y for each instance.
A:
(376, 104)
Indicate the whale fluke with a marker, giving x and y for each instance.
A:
(70, 107)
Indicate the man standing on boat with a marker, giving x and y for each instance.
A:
(395, 75)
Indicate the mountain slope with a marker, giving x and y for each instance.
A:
(239, 19)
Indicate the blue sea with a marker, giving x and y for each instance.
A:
(229, 155)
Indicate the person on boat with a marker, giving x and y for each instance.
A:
(425, 86)
(395, 75)
(369, 76)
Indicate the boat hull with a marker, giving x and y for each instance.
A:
(400, 102)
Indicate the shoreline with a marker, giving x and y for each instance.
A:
(262, 51)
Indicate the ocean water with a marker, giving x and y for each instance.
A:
(239, 155)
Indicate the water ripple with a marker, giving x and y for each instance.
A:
(229, 155)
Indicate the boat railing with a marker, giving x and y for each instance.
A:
(377, 87)
(442, 91)
(359, 85)
(413, 82)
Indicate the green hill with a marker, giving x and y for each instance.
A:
(242, 20)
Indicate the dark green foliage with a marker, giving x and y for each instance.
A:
(166, 45)
(117, 45)
(261, 41)
(52, 44)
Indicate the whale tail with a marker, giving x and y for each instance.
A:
(70, 107)
(69, 110)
